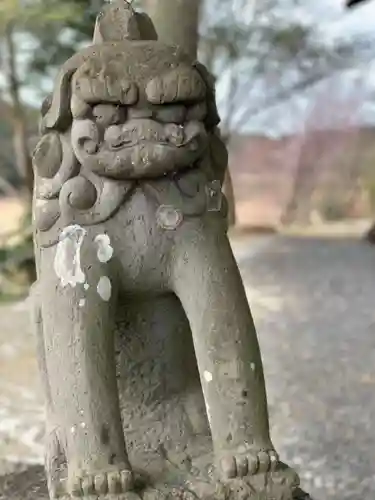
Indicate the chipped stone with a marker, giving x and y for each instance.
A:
(104, 288)
(67, 262)
(168, 217)
(105, 250)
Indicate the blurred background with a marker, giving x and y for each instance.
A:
(296, 94)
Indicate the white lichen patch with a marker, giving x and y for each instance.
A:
(105, 249)
(86, 286)
(252, 366)
(208, 411)
(40, 203)
(207, 376)
(67, 262)
(82, 302)
(104, 288)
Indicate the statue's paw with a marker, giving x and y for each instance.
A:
(111, 485)
(247, 461)
(281, 483)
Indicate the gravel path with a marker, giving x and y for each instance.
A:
(313, 304)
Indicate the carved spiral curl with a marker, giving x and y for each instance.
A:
(83, 193)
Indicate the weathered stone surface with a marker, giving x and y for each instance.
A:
(179, 84)
(47, 156)
(134, 264)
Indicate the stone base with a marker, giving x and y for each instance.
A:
(280, 485)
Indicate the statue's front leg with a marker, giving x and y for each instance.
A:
(78, 299)
(208, 283)
(54, 459)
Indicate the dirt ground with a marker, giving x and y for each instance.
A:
(11, 210)
(313, 303)
(21, 404)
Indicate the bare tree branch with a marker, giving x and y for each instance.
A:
(285, 94)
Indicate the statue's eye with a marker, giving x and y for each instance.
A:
(88, 145)
(85, 135)
(109, 114)
(170, 113)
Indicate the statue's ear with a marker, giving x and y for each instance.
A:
(46, 104)
(56, 112)
(146, 26)
(213, 118)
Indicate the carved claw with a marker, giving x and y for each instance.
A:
(114, 484)
(248, 463)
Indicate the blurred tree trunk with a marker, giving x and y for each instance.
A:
(7, 188)
(227, 134)
(370, 236)
(177, 22)
(20, 143)
(298, 208)
(228, 189)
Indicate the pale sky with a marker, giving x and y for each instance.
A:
(334, 22)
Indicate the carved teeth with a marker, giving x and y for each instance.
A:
(175, 134)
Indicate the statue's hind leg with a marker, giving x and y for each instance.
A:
(78, 312)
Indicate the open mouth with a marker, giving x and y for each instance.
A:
(126, 144)
(149, 132)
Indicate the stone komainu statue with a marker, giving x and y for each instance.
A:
(147, 348)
